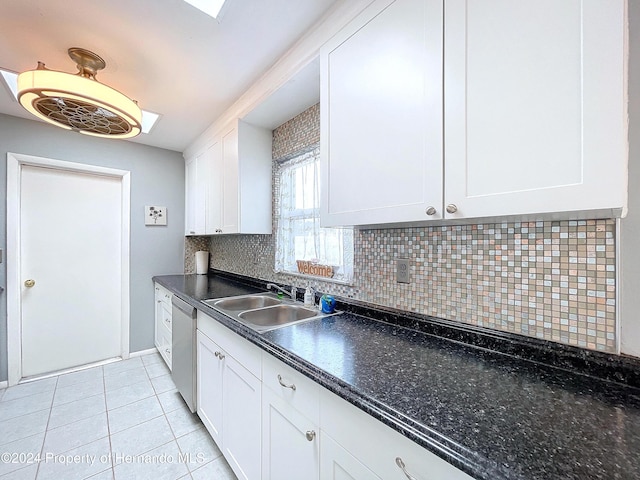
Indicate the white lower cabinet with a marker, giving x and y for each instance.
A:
(273, 423)
(377, 447)
(289, 441)
(338, 464)
(290, 413)
(229, 396)
(241, 425)
(163, 328)
(209, 381)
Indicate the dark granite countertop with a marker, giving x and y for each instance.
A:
(491, 414)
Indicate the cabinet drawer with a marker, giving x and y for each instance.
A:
(348, 425)
(248, 355)
(166, 322)
(164, 346)
(163, 295)
(291, 386)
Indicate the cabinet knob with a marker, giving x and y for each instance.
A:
(311, 434)
(451, 208)
(430, 211)
(285, 385)
(403, 467)
(29, 283)
(192, 232)
(219, 355)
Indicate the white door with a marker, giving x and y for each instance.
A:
(70, 230)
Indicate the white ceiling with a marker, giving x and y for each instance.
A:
(171, 58)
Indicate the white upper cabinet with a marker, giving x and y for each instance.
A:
(229, 172)
(476, 109)
(535, 115)
(215, 194)
(381, 115)
(228, 185)
(196, 175)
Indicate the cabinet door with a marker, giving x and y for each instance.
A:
(230, 192)
(378, 447)
(534, 106)
(190, 196)
(338, 464)
(242, 420)
(210, 370)
(289, 441)
(214, 189)
(381, 116)
(196, 191)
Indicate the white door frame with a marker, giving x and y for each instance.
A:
(15, 161)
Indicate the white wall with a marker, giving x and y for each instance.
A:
(157, 178)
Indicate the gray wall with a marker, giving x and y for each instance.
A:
(630, 226)
(157, 178)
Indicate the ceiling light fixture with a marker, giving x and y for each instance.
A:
(78, 101)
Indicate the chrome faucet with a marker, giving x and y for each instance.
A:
(292, 293)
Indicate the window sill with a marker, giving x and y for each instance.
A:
(312, 277)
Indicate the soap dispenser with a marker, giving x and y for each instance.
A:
(309, 297)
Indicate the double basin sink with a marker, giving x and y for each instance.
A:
(264, 311)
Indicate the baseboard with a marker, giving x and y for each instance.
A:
(3, 385)
(140, 353)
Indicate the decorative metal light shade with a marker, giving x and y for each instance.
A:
(79, 102)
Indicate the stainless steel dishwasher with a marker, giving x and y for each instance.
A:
(183, 352)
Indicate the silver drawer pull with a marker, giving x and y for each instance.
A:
(220, 355)
(403, 467)
(167, 351)
(310, 435)
(292, 386)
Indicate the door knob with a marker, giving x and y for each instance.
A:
(29, 283)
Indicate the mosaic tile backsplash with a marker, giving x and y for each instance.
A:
(553, 280)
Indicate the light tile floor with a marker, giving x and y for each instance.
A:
(124, 420)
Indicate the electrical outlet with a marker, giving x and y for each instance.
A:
(402, 270)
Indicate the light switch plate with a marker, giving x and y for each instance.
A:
(402, 270)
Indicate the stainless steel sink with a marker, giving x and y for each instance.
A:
(280, 315)
(239, 304)
(264, 311)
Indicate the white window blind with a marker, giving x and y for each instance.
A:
(298, 232)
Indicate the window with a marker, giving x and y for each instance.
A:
(298, 232)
